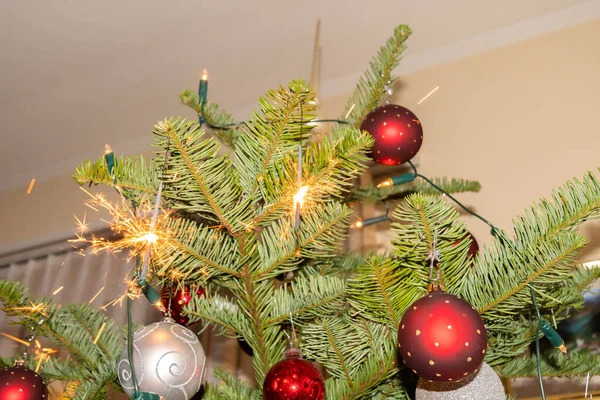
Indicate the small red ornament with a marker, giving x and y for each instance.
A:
(397, 132)
(21, 383)
(442, 337)
(181, 297)
(294, 378)
(473, 248)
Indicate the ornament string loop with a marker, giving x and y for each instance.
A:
(434, 259)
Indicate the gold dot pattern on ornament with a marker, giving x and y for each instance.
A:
(478, 332)
(398, 147)
(447, 301)
(408, 353)
(372, 119)
(483, 351)
(401, 133)
(431, 362)
(467, 344)
(438, 375)
(437, 344)
(385, 123)
(408, 125)
(449, 379)
(383, 136)
(469, 359)
(449, 326)
(406, 112)
(384, 111)
(415, 307)
(418, 332)
(402, 326)
(414, 371)
(465, 374)
(397, 115)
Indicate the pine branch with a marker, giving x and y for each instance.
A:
(357, 354)
(308, 298)
(372, 193)
(73, 328)
(228, 134)
(199, 252)
(369, 90)
(554, 364)
(136, 178)
(380, 291)
(421, 219)
(220, 312)
(272, 135)
(231, 389)
(201, 181)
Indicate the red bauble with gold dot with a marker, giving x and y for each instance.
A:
(293, 378)
(181, 297)
(397, 132)
(442, 337)
(21, 383)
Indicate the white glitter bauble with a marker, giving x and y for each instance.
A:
(482, 385)
(168, 360)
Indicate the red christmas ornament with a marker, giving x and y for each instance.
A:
(21, 383)
(181, 297)
(397, 132)
(442, 337)
(294, 378)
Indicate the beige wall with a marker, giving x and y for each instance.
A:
(520, 119)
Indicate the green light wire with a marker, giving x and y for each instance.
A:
(537, 342)
(136, 389)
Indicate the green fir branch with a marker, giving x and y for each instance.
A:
(369, 91)
(306, 299)
(380, 291)
(554, 364)
(454, 185)
(219, 121)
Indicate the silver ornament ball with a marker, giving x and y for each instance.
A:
(168, 360)
(482, 385)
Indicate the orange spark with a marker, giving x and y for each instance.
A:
(16, 339)
(99, 332)
(31, 185)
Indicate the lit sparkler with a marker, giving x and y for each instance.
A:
(298, 202)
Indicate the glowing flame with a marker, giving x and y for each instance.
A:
(299, 197)
(148, 238)
(204, 75)
(107, 149)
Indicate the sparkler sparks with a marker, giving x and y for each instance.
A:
(16, 339)
(58, 290)
(96, 295)
(33, 308)
(30, 188)
(99, 333)
(428, 94)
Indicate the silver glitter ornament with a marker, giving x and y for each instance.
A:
(482, 385)
(168, 360)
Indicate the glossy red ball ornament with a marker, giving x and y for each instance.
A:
(294, 378)
(21, 383)
(442, 337)
(397, 132)
(181, 297)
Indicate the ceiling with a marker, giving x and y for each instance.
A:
(75, 75)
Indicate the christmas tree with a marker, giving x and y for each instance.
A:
(255, 214)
